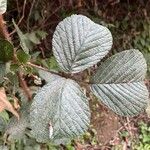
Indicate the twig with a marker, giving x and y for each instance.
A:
(129, 127)
(24, 86)
(20, 20)
(18, 7)
(42, 51)
(3, 29)
(59, 74)
(28, 20)
(42, 68)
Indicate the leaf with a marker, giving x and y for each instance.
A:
(36, 36)
(147, 57)
(6, 50)
(61, 104)
(2, 71)
(47, 76)
(3, 6)
(5, 104)
(41, 34)
(22, 37)
(23, 57)
(52, 64)
(3, 147)
(119, 84)
(16, 128)
(2, 124)
(33, 37)
(79, 43)
(4, 115)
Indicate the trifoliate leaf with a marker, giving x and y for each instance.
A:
(79, 43)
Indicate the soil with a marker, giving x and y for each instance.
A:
(106, 123)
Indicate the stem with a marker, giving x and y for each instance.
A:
(45, 69)
(3, 29)
(59, 74)
(12, 147)
(24, 86)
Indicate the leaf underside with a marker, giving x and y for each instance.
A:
(79, 43)
(16, 128)
(22, 37)
(3, 6)
(119, 84)
(47, 76)
(65, 107)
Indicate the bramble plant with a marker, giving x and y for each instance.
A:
(60, 110)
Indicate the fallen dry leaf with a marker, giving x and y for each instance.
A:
(16, 103)
(5, 104)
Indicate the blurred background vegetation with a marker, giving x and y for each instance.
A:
(129, 22)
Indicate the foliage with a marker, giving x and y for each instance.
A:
(144, 137)
(142, 41)
(60, 111)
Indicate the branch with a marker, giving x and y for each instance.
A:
(84, 83)
(42, 68)
(24, 86)
(3, 29)
(22, 17)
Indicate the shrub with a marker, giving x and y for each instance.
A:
(60, 110)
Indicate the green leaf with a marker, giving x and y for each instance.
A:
(119, 84)
(4, 115)
(61, 104)
(79, 43)
(6, 50)
(36, 36)
(2, 124)
(52, 63)
(41, 34)
(22, 37)
(2, 71)
(23, 57)
(3, 6)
